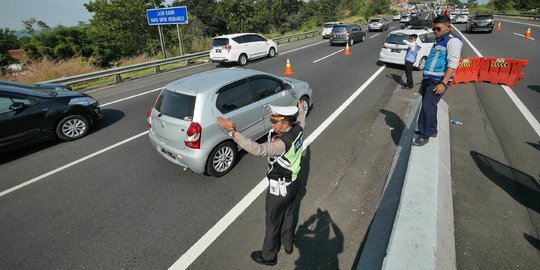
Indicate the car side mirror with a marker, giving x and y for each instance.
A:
(288, 86)
(16, 106)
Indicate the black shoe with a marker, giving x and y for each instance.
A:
(406, 87)
(434, 135)
(289, 251)
(420, 141)
(257, 257)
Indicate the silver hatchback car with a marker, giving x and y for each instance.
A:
(183, 125)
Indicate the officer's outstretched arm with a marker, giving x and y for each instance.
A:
(259, 149)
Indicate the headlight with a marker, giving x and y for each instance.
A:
(82, 101)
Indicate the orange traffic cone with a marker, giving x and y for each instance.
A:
(288, 68)
(347, 50)
(499, 26)
(528, 34)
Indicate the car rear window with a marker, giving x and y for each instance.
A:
(328, 25)
(339, 29)
(219, 42)
(396, 39)
(483, 17)
(404, 17)
(375, 20)
(176, 105)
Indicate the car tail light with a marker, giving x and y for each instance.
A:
(149, 117)
(193, 139)
(384, 45)
(228, 48)
(347, 33)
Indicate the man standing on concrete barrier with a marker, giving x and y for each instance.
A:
(438, 72)
(410, 58)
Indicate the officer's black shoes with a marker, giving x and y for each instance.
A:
(289, 251)
(406, 87)
(420, 141)
(257, 257)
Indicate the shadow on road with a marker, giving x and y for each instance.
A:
(535, 88)
(395, 123)
(521, 186)
(303, 177)
(535, 145)
(396, 78)
(533, 241)
(319, 241)
(110, 116)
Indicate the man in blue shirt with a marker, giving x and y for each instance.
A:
(438, 72)
(410, 58)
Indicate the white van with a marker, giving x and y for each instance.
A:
(394, 49)
(241, 48)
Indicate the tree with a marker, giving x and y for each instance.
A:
(119, 28)
(59, 43)
(29, 25)
(8, 41)
(238, 14)
(208, 14)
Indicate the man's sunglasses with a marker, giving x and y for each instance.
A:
(275, 120)
(436, 29)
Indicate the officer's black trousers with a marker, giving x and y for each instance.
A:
(279, 221)
(408, 74)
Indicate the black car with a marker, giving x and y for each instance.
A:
(347, 33)
(44, 86)
(31, 115)
(481, 22)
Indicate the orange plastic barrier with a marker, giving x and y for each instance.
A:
(502, 71)
(467, 70)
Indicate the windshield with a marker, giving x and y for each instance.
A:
(396, 39)
(404, 17)
(339, 29)
(219, 42)
(483, 17)
(375, 20)
(176, 105)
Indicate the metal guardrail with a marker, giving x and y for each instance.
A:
(156, 64)
(533, 17)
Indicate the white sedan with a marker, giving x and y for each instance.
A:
(394, 49)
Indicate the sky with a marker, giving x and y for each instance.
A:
(52, 12)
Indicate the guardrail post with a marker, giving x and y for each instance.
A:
(188, 62)
(117, 78)
(158, 70)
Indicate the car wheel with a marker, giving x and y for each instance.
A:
(305, 100)
(242, 59)
(72, 127)
(331, 44)
(363, 38)
(422, 63)
(272, 52)
(222, 159)
(351, 42)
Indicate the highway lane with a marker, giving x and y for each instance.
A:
(125, 207)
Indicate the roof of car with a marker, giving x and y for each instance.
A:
(411, 31)
(235, 35)
(22, 90)
(210, 80)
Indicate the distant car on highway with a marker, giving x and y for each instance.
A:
(394, 49)
(396, 17)
(481, 22)
(32, 115)
(241, 48)
(380, 24)
(405, 19)
(183, 125)
(46, 86)
(347, 33)
(461, 18)
(327, 29)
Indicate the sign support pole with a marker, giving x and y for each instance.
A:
(180, 42)
(163, 51)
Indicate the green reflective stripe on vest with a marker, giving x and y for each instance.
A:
(294, 155)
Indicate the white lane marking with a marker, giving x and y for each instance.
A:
(19, 186)
(375, 35)
(524, 23)
(521, 107)
(204, 242)
(392, 27)
(130, 97)
(327, 56)
(523, 36)
(303, 47)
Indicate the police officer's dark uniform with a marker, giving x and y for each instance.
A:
(284, 151)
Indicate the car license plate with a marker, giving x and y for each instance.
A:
(218, 50)
(395, 50)
(168, 153)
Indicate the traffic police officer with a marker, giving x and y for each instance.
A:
(438, 72)
(284, 151)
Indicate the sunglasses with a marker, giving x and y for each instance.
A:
(436, 29)
(275, 120)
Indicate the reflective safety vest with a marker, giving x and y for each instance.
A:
(287, 165)
(437, 61)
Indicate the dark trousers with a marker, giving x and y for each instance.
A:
(279, 221)
(427, 121)
(408, 74)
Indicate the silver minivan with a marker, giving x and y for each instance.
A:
(183, 125)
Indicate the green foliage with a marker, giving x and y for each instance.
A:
(59, 43)
(8, 41)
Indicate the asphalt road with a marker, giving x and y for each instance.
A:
(128, 208)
